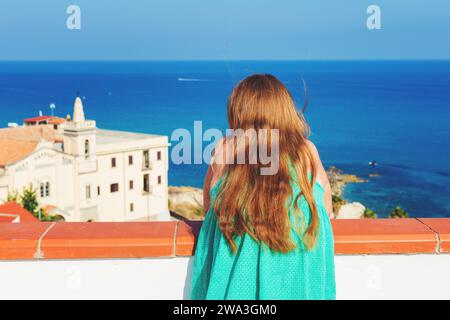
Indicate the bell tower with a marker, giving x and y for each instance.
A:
(80, 134)
(80, 140)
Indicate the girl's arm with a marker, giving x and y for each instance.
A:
(206, 189)
(322, 178)
(214, 173)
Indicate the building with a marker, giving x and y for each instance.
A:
(86, 173)
(56, 122)
(39, 120)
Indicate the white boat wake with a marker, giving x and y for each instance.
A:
(190, 79)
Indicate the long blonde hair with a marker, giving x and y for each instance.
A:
(249, 202)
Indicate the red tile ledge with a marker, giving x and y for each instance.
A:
(187, 237)
(383, 236)
(21, 240)
(441, 226)
(73, 240)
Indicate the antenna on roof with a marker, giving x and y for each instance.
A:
(52, 109)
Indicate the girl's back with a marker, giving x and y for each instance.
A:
(256, 272)
(265, 236)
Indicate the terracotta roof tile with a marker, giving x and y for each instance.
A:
(56, 120)
(12, 208)
(18, 143)
(32, 133)
(14, 150)
(37, 119)
(7, 218)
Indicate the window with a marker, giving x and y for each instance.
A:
(131, 184)
(88, 192)
(146, 156)
(98, 191)
(131, 207)
(114, 187)
(159, 179)
(146, 183)
(130, 160)
(86, 148)
(113, 162)
(158, 155)
(42, 190)
(47, 189)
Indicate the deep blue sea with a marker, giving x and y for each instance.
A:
(397, 113)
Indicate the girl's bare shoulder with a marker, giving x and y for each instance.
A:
(217, 165)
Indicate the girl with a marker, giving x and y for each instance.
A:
(265, 236)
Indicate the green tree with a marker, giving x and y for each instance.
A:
(398, 213)
(28, 200)
(338, 202)
(48, 218)
(370, 214)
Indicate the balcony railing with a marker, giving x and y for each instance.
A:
(375, 258)
(147, 166)
(148, 191)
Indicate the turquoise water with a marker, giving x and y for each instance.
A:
(397, 113)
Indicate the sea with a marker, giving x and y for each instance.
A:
(396, 113)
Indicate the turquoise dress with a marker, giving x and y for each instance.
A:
(254, 271)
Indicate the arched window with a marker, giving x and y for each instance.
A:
(42, 189)
(47, 189)
(86, 148)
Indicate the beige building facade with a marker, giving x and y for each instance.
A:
(86, 173)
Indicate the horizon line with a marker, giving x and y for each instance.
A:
(226, 60)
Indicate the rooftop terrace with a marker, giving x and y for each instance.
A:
(113, 136)
(375, 259)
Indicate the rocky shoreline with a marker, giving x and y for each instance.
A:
(339, 180)
(341, 208)
(188, 201)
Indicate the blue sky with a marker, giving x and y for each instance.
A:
(224, 30)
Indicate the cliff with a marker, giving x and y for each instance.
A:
(187, 202)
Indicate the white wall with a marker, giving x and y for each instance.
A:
(3, 194)
(45, 165)
(393, 276)
(358, 277)
(158, 199)
(116, 206)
